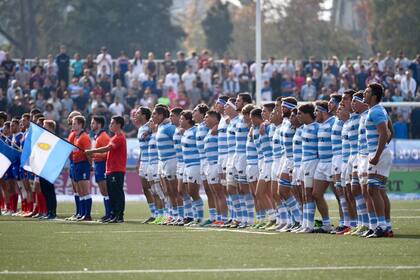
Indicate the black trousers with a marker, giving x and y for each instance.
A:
(115, 185)
(48, 191)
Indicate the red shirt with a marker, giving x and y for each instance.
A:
(83, 142)
(101, 140)
(116, 160)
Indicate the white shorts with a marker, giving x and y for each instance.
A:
(222, 163)
(336, 163)
(180, 170)
(240, 168)
(167, 169)
(323, 172)
(308, 168)
(153, 173)
(212, 173)
(275, 168)
(265, 171)
(192, 174)
(296, 176)
(251, 173)
(350, 165)
(384, 165)
(362, 168)
(143, 169)
(203, 168)
(287, 167)
(345, 176)
(231, 171)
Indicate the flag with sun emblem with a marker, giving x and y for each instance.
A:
(44, 153)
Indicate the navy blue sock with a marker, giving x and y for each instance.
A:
(77, 202)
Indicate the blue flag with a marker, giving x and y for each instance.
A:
(44, 153)
(8, 156)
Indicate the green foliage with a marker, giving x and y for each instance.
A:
(218, 28)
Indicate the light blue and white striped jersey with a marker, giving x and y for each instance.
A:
(231, 136)
(376, 115)
(210, 148)
(190, 151)
(177, 145)
(324, 140)
(310, 141)
(278, 150)
(165, 142)
(361, 139)
(345, 149)
(143, 135)
(222, 137)
(241, 134)
(152, 150)
(297, 147)
(263, 142)
(251, 151)
(287, 137)
(353, 132)
(202, 131)
(336, 136)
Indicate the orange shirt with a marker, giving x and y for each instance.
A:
(101, 140)
(71, 137)
(83, 142)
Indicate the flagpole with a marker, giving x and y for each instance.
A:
(56, 135)
(258, 52)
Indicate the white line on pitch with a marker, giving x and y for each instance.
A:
(211, 270)
(233, 230)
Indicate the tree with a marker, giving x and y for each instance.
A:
(394, 25)
(218, 28)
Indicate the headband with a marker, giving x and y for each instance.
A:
(321, 109)
(335, 100)
(288, 105)
(356, 98)
(221, 101)
(229, 103)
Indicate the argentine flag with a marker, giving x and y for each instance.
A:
(8, 155)
(44, 153)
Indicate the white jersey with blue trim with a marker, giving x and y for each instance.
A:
(336, 136)
(177, 145)
(190, 152)
(361, 139)
(143, 135)
(376, 115)
(324, 140)
(287, 137)
(210, 148)
(310, 141)
(345, 149)
(242, 130)
(202, 131)
(297, 147)
(353, 133)
(152, 150)
(165, 142)
(231, 136)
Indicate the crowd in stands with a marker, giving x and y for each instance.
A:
(102, 85)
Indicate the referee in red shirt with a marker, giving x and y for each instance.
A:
(115, 168)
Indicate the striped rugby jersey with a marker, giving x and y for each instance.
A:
(310, 141)
(210, 148)
(345, 149)
(202, 131)
(336, 136)
(251, 151)
(278, 150)
(361, 139)
(222, 147)
(287, 137)
(324, 140)
(231, 136)
(376, 115)
(353, 132)
(165, 142)
(297, 147)
(177, 144)
(152, 150)
(241, 134)
(143, 135)
(190, 151)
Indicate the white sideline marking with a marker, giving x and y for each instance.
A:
(208, 270)
(234, 230)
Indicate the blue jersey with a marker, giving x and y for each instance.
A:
(222, 137)
(336, 136)
(165, 142)
(278, 150)
(241, 134)
(177, 145)
(17, 139)
(143, 135)
(231, 136)
(362, 140)
(251, 151)
(353, 133)
(202, 131)
(210, 148)
(345, 149)
(376, 115)
(310, 141)
(152, 150)
(297, 147)
(190, 151)
(324, 140)
(287, 137)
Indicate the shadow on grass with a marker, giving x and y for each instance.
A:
(407, 236)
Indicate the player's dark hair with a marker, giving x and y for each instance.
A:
(7, 125)
(80, 120)
(15, 120)
(35, 111)
(322, 103)
(337, 97)
(224, 98)
(269, 106)
(50, 124)
(377, 90)
(146, 112)
(187, 114)
(162, 110)
(359, 94)
(214, 114)
(100, 120)
(119, 120)
(246, 97)
(279, 99)
(256, 113)
(177, 111)
(349, 92)
(3, 116)
(308, 109)
(202, 109)
(290, 99)
(26, 116)
(247, 109)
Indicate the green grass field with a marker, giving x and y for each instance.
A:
(33, 249)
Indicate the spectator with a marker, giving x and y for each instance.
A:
(287, 67)
(400, 128)
(172, 79)
(36, 77)
(308, 91)
(17, 109)
(122, 63)
(231, 85)
(398, 76)
(415, 69)
(193, 61)
(244, 82)
(317, 79)
(225, 66)
(402, 61)
(408, 85)
(3, 101)
(98, 105)
(266, 92)
(300, 77)
(328, 79)
(51, 63)
(389, 62)
(188, 77)
(180, 64)
(67, 102)
(104, 61)
(22, 74)
(3, 79)
(57, 106)
(77, 65)
(117, 108)
(149, 99)
(151, 65)
(205, 75)
(287, 86)
(50, 113)
(358, 65)
(13, 91)
(63, 62)
(165, 99)
(90, 64)
(309, 67)
(182, 100)
(119, 91)
(74, 89)
(240, 67)
(9, 66)
(168, 64)
(344, 68)
(137, 63)
(334, 66)
(206, 94)
(194, 94)
(270, 67)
